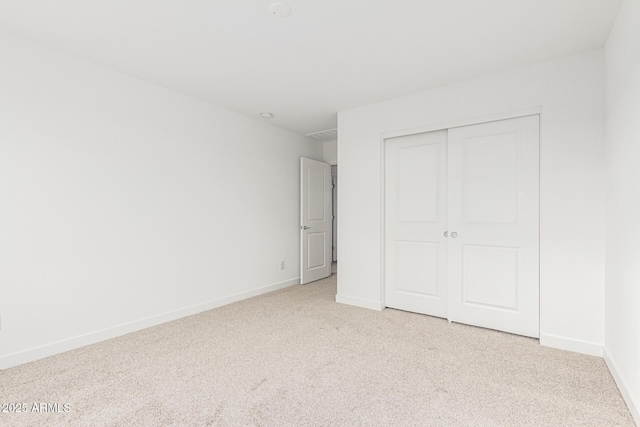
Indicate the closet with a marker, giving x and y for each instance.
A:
(461, 226)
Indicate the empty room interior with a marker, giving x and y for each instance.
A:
(248, 212)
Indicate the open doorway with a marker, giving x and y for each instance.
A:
(329, 140)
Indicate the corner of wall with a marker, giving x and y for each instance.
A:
(330, 152)
(632, 401)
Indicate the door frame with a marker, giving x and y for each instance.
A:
(431, 128)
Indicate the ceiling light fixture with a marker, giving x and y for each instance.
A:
(280, 10)
(266, 116)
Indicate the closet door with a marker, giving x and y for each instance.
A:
(415, 222)
(493, 223)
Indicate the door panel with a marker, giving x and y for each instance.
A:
(415, 203)
(316, 186)
(496, 287)
(417, 268)
(418, 181)
(316, 250)
(316, 218)
(490, 179)
(493, 262)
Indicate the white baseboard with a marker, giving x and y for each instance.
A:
(36, 353)
(570, 344)
(632, 402)
(359, 302)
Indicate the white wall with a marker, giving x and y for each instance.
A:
(330, 152)
(622, 313)
(124, 204)
(571, 94)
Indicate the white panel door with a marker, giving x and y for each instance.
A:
(493, 224)
(315, 218)
(415, 222)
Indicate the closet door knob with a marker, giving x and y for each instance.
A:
(454, 234)
(446, 234)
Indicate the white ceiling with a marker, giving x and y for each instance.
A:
(327, 56)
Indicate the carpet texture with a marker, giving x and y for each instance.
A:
(295, 357)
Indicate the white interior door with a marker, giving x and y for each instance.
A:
(315, 219)
(493, 215)
(415, 220)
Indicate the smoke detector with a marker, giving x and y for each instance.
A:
(280, 10)
(266, 116)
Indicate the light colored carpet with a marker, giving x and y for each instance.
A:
(295, 357)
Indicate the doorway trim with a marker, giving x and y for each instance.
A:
(532, 111)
